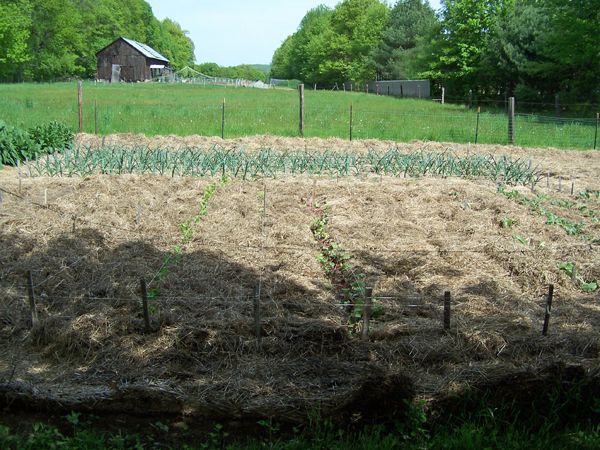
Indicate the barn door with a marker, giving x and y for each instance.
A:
(116, 73)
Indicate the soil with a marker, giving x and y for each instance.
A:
(89, 241)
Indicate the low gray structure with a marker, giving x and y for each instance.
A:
(402, 88)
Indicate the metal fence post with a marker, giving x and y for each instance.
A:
(477, 126)
(511, 121)
(223, 120)
(368, 301)
(350, 121)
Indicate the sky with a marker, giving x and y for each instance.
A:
(232, 32)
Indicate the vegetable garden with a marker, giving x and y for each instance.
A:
(258, 255)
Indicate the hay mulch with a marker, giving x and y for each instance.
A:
(412, 238)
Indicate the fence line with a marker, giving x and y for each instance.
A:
(327, 121)
(364, 302)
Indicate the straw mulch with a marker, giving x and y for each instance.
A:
(413, 239)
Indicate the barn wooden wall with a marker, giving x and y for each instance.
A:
(134, 65)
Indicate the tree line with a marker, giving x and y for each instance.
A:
(532, 49)
(44, 40)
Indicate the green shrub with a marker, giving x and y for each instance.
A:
(52, 136)
(16, 145)
(19, 145)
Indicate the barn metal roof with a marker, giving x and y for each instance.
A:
(145, 50)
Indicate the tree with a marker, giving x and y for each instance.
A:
(305, 52)
(55, 41)
(410, 23)
(175, 44)
(571, 47)
(456, 54)
(333, 46)
(280, 64)
(514, 59)
(359, 25)
(15, 28)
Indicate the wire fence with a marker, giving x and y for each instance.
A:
(356, 117)
(363, 312)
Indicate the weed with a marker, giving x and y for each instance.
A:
(335, 261)
(186, 234)
(521, 240)
(508, 222)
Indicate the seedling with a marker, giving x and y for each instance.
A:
(569, 269)
(507, 222)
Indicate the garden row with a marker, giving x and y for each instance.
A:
(196, 162)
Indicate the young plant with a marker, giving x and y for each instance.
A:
(586, 286)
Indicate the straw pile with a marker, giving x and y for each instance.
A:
(412, 238)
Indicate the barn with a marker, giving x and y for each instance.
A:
(129, 60)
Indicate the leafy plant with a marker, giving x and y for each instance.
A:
(568, 268)
(335, 262)
(16, 145)
(586, 286)
(52, 136)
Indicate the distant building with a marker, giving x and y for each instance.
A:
(401, 88)
(129, 60)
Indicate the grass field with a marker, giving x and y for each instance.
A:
(190, 109)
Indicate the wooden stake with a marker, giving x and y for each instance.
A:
(447, 304)
(32, 308)
(443, 95)
(145, 305)
(80, 104)
(95, 116)
(301, 123)
(367, 312)
(548, 310)
(257, 325)
(20, 176)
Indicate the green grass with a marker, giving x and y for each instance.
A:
(469, 435)
(161, 109)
